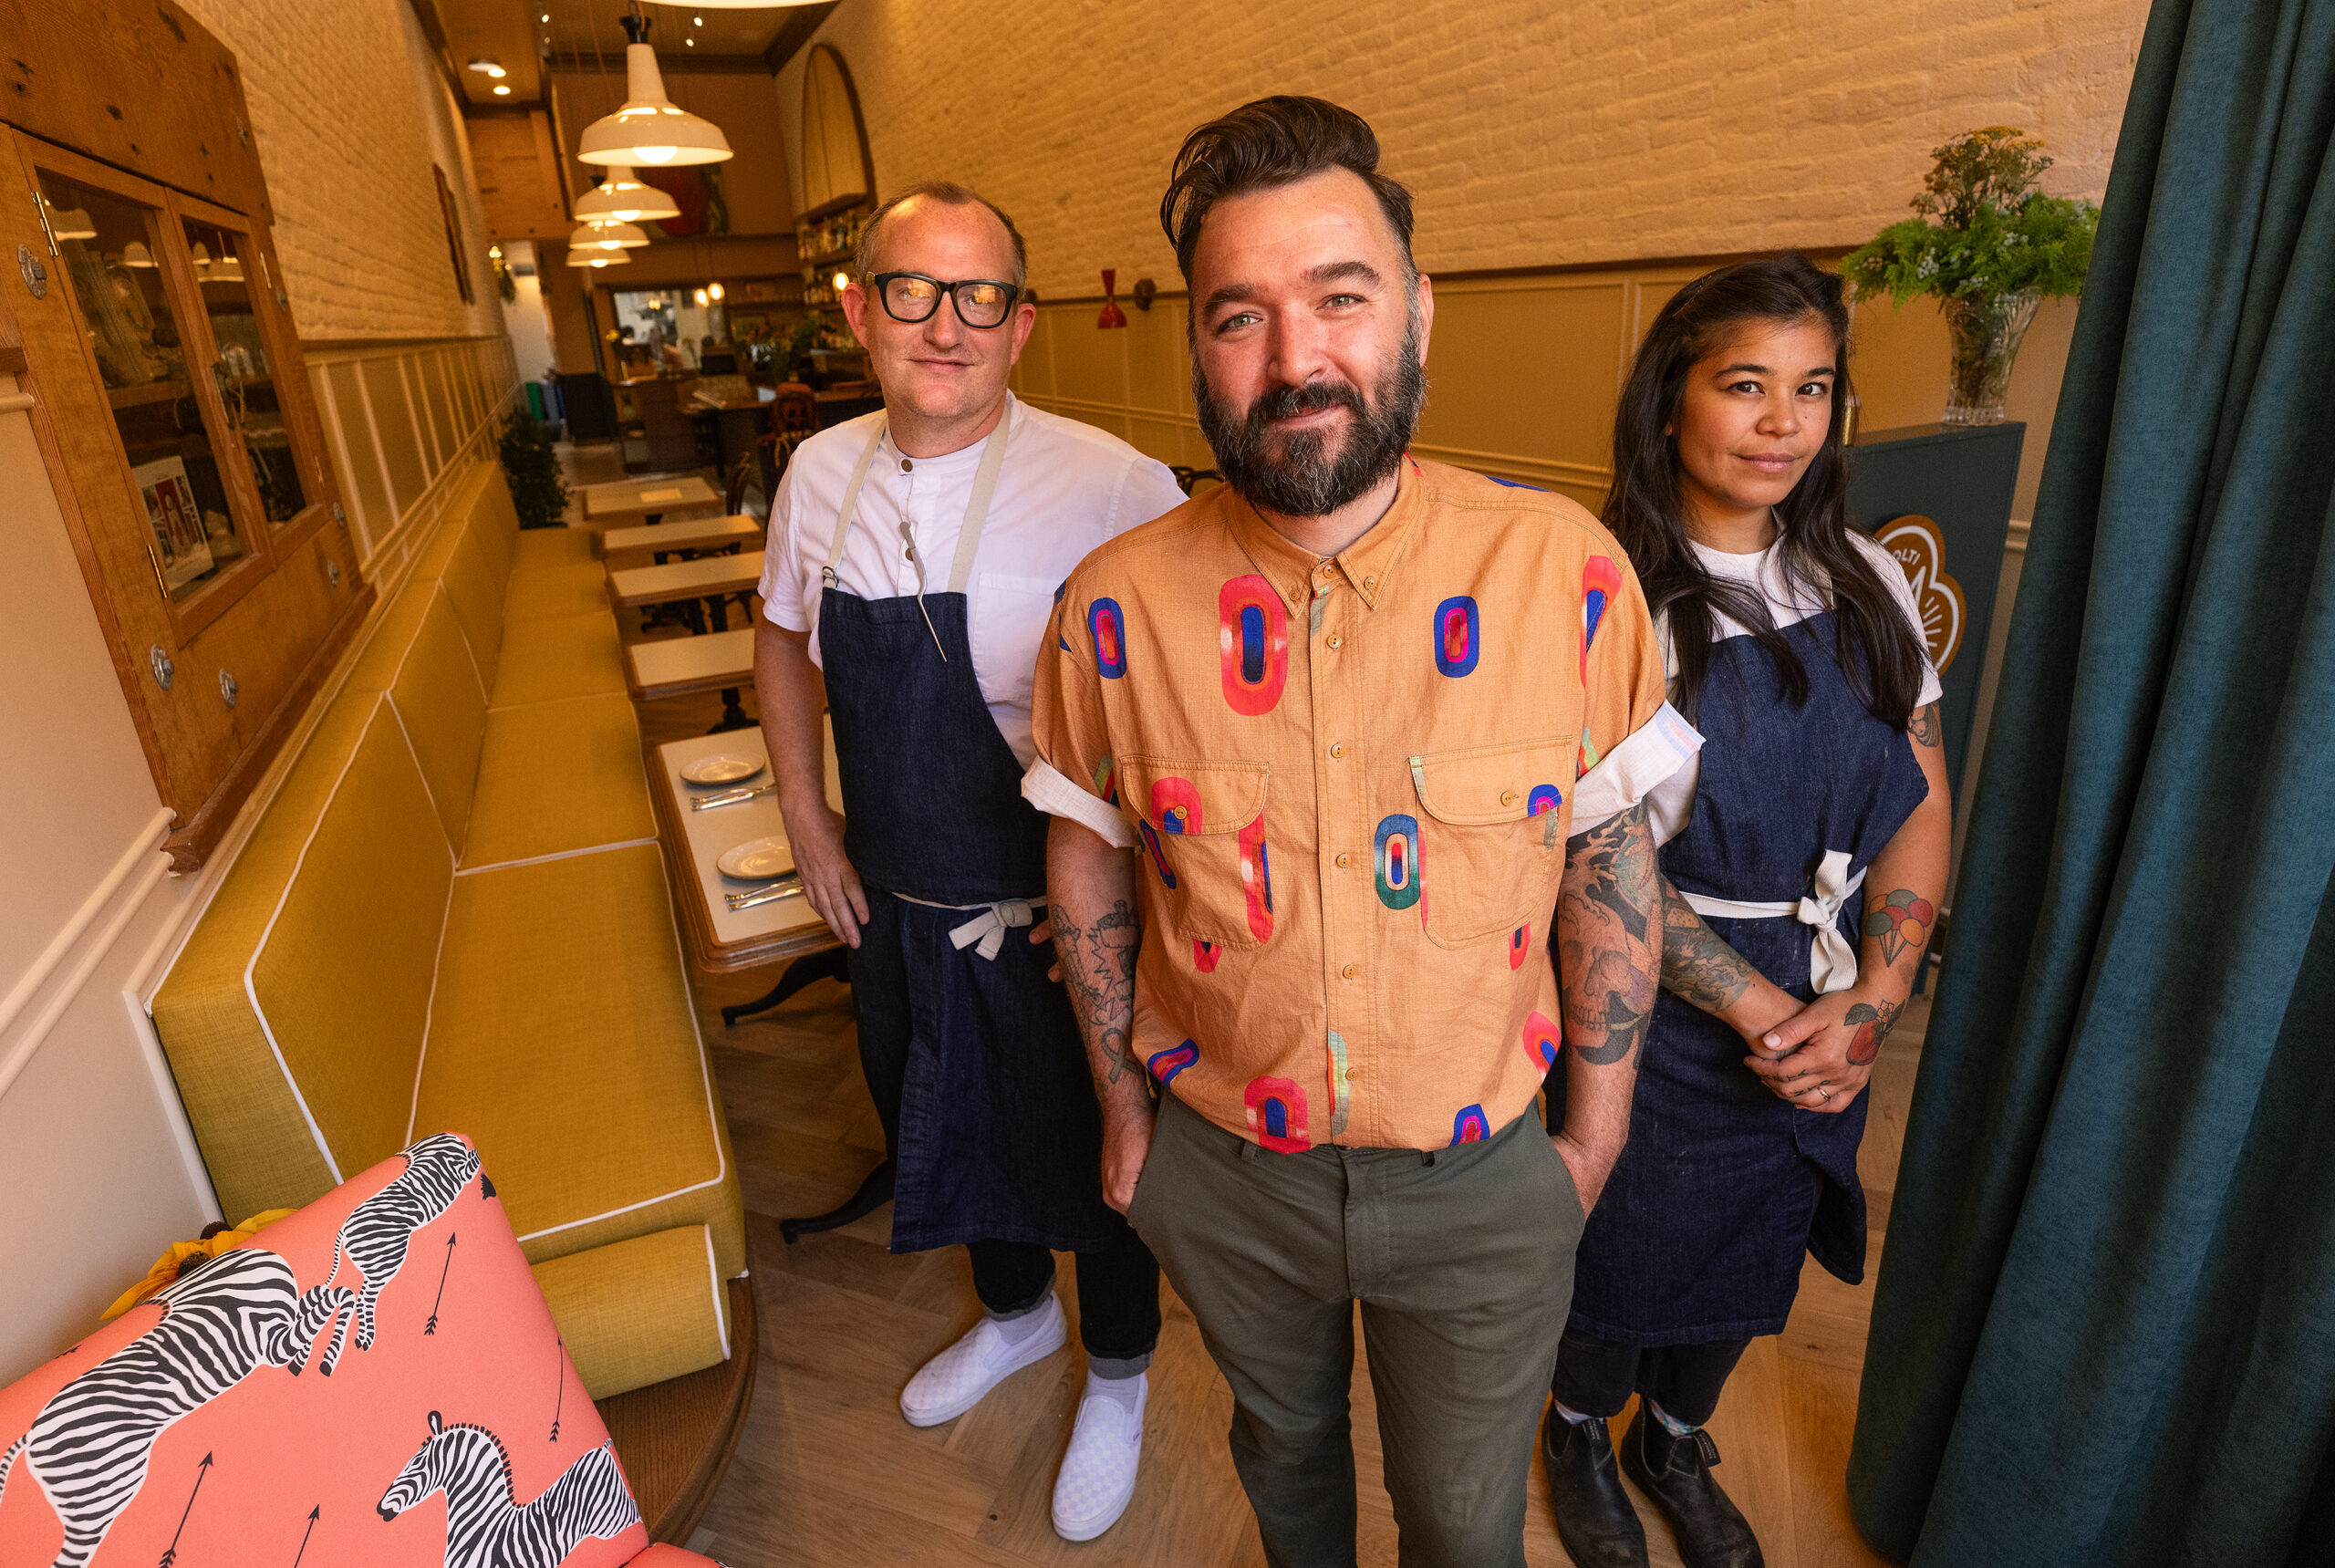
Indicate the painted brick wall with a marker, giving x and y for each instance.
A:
(1533, 133)
(350, 113)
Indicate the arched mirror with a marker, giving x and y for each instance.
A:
(837, 171)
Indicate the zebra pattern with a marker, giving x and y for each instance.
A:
(375, 1237)
(486, 1526)
(89, 1444)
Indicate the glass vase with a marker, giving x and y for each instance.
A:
(1986, 333)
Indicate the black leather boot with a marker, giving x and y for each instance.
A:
(1595, 1521)
(1675, 1472)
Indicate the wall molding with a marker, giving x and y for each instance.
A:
(114, 899)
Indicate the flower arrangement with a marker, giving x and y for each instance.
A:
(1990, 246)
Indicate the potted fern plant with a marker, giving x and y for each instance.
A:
(531, 465)
(1990, 246)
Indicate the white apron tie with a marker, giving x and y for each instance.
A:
(989, 927)
(1832, 961)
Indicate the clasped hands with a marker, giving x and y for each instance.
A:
(1818, 1055)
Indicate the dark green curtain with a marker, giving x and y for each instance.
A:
(2105, 1331)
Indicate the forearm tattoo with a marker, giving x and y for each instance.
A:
(1697, 965)
(1925, 727)
(1605, 932)
(1873, 1025)
(1901, 919)
(1098, 962)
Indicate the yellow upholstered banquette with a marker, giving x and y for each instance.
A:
(453, 917)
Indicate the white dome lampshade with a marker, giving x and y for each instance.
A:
(621, 198)
(71, 222)
(135, 253)
(604, 237)
(598, 259)
(650, 128)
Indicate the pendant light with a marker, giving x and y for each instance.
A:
(606, 237)
(598, 259)
(199, 254)
(650, 127)
(621, 198)
(71, 222)
(135, 253)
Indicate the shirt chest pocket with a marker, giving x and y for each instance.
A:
(1202, 827)
(1008, 617)
(1488, 858)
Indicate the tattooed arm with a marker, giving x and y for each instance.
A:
(1700, 968)
(1090, 889)
(1821, 1059)
(1609, 958)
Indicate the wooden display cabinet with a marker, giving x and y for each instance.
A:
(171, 402)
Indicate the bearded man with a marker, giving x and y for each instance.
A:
(1311, 744)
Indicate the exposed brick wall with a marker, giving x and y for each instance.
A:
(1533, 132)
(350, 113)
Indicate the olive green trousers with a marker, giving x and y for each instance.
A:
(1461, 1260)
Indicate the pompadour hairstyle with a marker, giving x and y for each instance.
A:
(1271, 142)
(950, 194)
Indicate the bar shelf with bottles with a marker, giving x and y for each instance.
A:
(826, 244)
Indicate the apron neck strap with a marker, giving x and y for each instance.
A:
(969, 537)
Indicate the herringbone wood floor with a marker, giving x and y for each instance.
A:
(828, 1474)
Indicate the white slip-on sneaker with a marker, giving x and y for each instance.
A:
(954, 1381)
(1097, 1477)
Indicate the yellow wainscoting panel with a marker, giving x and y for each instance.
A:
(1524, 371)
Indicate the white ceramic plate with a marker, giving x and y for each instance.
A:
(757, 860)
(727, 768)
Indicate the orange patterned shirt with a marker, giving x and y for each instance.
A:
(1350, 782)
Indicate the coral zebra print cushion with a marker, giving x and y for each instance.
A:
(373, 1380)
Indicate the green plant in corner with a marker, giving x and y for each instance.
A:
(1990, 246)
(531, 465)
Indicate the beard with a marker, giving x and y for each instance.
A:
(1300, 474)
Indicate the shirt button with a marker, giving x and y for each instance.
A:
(906, 467)
(1353, 1074)
(1336, 641)
(1351, 971)
(1345, 861)
(1338, 749)
(1370, 582)
(1507, 797)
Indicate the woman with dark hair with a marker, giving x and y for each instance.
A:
(1814, 819)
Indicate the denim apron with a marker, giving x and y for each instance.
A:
(972, 1056)
(1722, 1187)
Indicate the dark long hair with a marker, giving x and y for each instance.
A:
(1876, 646)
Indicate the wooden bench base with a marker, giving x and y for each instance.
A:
(675, 1438)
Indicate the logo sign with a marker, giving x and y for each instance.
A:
(1917, 545)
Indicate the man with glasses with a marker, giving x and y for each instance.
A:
(913, 559)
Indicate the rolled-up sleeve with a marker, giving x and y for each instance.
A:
(1632, 737)
(1073, 776)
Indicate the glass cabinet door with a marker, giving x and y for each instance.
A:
(226, 270)
(112, 250)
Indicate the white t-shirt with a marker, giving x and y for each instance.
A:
(1065, 487)
(1671, 803)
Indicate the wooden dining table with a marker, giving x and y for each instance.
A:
(707, 577)
(721, 940)
(645, 500)
(628, 544)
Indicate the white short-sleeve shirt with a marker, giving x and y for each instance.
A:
(1065, 487)
(1671, 803)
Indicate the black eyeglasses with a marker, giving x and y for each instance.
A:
(912, 297)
